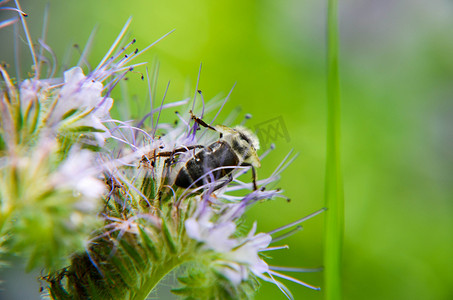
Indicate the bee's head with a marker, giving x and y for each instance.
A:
(243, 141)
(248, 136)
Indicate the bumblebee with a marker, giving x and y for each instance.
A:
(197, 165)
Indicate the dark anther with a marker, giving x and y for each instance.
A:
(199, 92)
(131, 69)
(133, 41)
(125, 55)
(143, 77)
(136, 51)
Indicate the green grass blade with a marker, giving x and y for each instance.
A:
(334, 183)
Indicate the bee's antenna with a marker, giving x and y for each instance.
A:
(200, 122)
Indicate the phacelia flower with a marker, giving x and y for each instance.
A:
(236, 256)
(116, 219)
(80, 105)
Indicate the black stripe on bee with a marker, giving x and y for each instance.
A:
(243, 149)
(218, 154)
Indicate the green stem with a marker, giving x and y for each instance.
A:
(334, 183)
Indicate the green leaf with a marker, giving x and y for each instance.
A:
(149, 245)
(169, 238)
(132, 253)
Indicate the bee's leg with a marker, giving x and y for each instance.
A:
(225, 183)
(255, 186)
(185, 149)
(175, 151)
(201, 122)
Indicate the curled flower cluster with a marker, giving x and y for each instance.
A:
(110, 222)
(51, 184)
(198, 224)
(51, 181)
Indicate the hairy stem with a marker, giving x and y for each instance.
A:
(157, 275)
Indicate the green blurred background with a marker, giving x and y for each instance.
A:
(397, 118)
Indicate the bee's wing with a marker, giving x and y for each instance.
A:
(224, 129)
(254, 160)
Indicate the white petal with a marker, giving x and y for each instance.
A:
(193, 229)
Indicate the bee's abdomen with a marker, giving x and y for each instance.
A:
(197, 169)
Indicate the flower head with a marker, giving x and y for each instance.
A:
(160, 197)
(236, 257)
(81, 105)
(79, 174)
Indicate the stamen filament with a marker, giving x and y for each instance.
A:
(298, 221)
